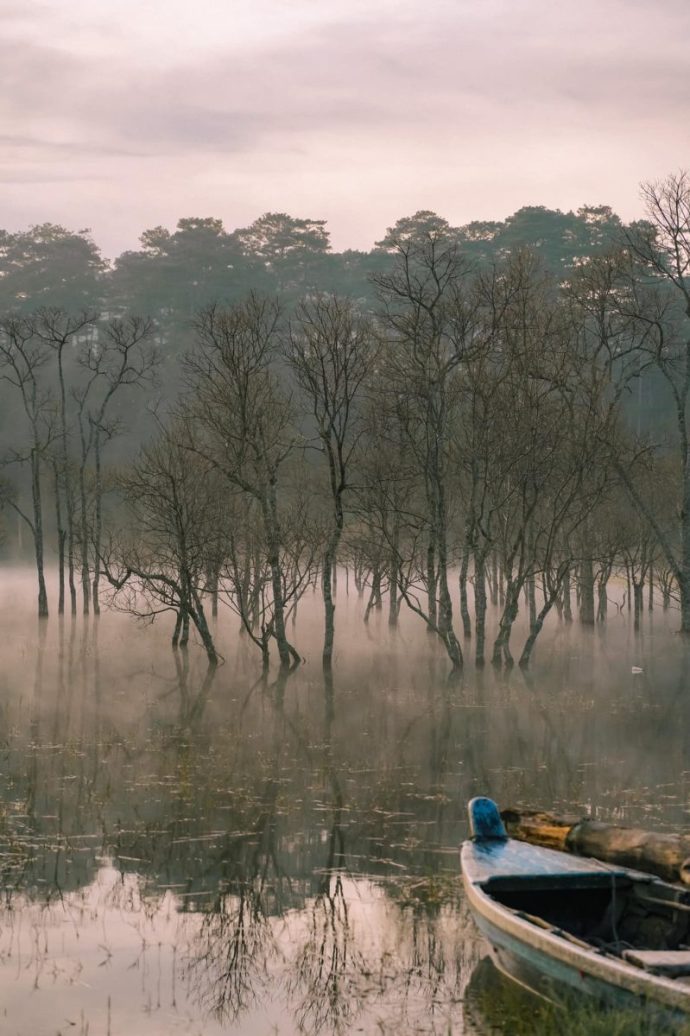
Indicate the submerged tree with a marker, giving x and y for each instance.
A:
(240, 421)
(62, 333)
(430, 315)
(23, 360)
(178, 517)
(658, 301)
(121, 356)
(331, 352)
(246, 576)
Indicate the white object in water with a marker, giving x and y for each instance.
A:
(636, 669)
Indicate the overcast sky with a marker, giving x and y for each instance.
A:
(123, 114)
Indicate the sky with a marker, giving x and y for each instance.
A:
(119, 115)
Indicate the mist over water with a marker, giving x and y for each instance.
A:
(197, 852)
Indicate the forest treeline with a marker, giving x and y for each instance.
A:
(175, 273)
(457, 415)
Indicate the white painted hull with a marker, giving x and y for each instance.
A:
(548, 964)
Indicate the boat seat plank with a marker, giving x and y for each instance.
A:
(660, 962)
(667, 896)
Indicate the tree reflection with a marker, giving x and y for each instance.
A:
(232, 950)
(327, 964)
(228, 961)
(192, 704)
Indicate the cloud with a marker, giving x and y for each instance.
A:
(40, 147)
(21, 13)
(417, 102)
(31, 176)
(361, 75)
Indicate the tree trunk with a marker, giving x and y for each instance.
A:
(61, 542)
(559, 607)
(464, 609)
(375, 595)
(587, 592)
(70, 565)
(567, 609)
(38, 532)
(536, 628)
(214, 580)
(358, 576)
(628, 580)
(479, 607)
(638, 595)
(69, 488)
(196, 612)
(205, 634)
(61, 571)
(445, 610)
(501, 650)
(431, 581)
(98, 527)
(531, 599)
(273, 530)
(394, 579)
(329, 574)
(265, 656)
(683, 576)
(493, 581)
(329, 609)
(184, 638)
(85, 577)
(602, 599)
(254, 573)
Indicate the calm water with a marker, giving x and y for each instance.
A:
(196, 856)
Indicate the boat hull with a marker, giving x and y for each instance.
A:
(554, 980)
(548, 965)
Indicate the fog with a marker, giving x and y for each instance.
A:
(195, 850)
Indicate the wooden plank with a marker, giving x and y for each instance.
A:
(660, 962)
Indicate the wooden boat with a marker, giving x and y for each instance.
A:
(558, 923)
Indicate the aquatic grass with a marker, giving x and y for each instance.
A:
(592, 1020)
(425, 893)
(502, 1008)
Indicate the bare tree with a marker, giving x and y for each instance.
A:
(659, 302)
(178, 513)
(62, 333)
(23, 359)
(246, 577)
(330, 349)
(239, 420)
(385, 491)
(120, 356)
(430, 315)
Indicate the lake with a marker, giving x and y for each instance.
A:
(198, 853)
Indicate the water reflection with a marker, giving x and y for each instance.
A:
(194, 850)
